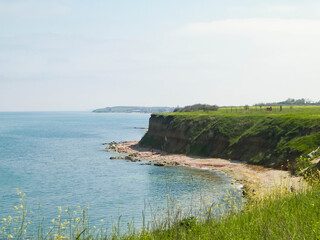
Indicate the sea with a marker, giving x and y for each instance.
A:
(58, 159)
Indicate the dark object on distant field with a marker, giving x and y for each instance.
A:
(269, 109)
(198, 107)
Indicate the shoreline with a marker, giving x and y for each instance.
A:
(257, 180)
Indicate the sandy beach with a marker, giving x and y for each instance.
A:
(254, 178)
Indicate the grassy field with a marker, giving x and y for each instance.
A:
(294, 111)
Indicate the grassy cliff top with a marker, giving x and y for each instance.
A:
(287, 112)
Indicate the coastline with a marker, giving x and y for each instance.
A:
(257, 180)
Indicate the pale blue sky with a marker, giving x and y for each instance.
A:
(82, 55)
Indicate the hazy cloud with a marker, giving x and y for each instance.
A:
(253, 27)
(33, 8)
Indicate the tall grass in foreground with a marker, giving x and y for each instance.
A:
(296, 216)
(75, 223)
(284, 213)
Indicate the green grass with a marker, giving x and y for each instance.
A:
(240, 111)
(290, 216)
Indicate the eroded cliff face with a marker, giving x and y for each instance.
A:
(255, 140)
(163, 134)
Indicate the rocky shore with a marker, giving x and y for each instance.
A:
(256, 179)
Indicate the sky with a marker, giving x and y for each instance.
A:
(81, 55)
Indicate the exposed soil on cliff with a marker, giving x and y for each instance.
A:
(256, 179)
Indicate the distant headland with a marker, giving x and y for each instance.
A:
(134, 109)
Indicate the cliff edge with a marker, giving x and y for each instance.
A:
(268, 139)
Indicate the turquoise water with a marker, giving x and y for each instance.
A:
(58, 159)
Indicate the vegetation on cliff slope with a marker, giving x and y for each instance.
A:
(255, 135)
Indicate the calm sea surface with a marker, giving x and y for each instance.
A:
(58, 159)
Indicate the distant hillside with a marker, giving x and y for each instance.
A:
(134, 109)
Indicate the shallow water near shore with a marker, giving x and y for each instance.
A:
(57, 159)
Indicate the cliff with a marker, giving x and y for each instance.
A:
(265, 139)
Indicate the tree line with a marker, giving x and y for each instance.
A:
(197, 107)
